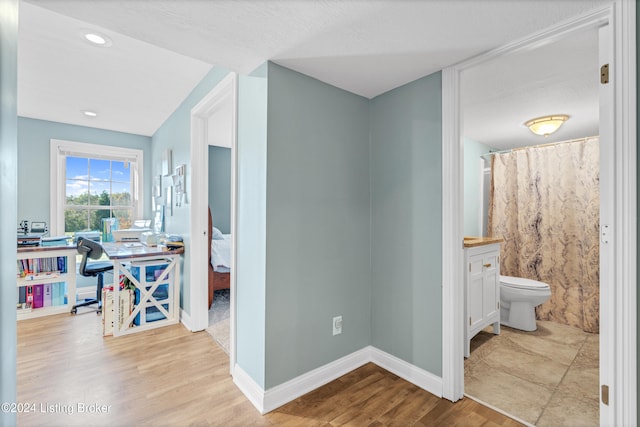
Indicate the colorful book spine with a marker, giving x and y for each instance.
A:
(57, 294)
(47, 295)
(29, 296)
(38, 295)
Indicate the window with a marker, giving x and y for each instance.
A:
(91, 183)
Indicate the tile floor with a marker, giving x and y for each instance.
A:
(547, 378)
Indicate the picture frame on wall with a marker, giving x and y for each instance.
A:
(168, 200)
(158, 220)
(166, 162)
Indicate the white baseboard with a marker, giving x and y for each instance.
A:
(286, 392)
(267, 401)
(405, 370)
(185, 319)
(249, 388)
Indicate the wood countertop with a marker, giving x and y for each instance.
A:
(470, 242)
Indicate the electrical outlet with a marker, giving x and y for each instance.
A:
(337, 325)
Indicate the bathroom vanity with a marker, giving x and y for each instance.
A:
(481, 287)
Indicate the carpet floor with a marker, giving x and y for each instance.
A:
(219, 319)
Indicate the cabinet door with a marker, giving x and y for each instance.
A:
(475, 291)
(490, 286)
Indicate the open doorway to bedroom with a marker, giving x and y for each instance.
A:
(219, 245)
(213, 124)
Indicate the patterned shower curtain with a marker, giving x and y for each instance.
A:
(545, 203)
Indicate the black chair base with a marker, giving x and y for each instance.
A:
(91, 301)
(87, 302)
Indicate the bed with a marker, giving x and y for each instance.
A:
(219, 260)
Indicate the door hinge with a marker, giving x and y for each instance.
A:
(604, 74)
(498, 305)
(469, 321)
(605, 394)
(469, 267)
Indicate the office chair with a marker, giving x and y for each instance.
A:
(90, 249)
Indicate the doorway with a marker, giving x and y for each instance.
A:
(618, 248)
(213, 123)
(220, 244)
(545, 376)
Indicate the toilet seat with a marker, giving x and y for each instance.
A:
(522, 283)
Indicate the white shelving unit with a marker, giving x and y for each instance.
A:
(158, 293)
(32, 279)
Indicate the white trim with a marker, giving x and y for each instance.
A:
(267, 401)
(185, 319)
(417, 376)
(223, 96)
(58, 151)
(292, 389)
(452, 240)
(252, 391)
(623, 391)
(625, 232)
(500, 411)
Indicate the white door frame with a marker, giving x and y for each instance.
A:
(223, 98)
(621, 373)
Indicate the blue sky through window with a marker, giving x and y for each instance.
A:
(105, 174)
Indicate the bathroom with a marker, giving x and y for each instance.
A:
(540, 195)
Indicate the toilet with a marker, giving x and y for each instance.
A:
(518, 300)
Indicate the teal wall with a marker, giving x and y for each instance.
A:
(251, 225)
(175, 135)
(317, 235)
(220, 187)
(472, 178)
(34, 156)
(406, 231)
(8, 195)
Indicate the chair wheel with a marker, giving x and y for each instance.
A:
(74, 310)
(98, 312)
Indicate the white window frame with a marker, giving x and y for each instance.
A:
(60, 149)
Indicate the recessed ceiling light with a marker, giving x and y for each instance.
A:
(97, 39)
(89, 113)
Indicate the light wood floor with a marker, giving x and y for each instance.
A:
(68, 374)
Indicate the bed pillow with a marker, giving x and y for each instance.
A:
(216, 234)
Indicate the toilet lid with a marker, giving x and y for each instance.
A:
(522, 283)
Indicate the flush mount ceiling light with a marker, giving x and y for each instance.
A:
(89, 113)
(546, 125)
(97, 39)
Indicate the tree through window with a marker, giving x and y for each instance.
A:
(94, 182)
(96, 189)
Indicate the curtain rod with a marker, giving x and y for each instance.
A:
(511, 150)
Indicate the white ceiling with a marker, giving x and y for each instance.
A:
(563, 77)
(162, 48)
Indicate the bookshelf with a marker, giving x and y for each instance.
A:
(49, 273)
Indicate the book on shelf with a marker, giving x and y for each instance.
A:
(29, 295)
(57, 293)
(47, 296)
(54, 241)
(37, 296)
(38, 266)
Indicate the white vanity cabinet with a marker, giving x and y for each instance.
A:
(482, 288)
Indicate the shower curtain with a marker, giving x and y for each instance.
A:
(545, 204)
